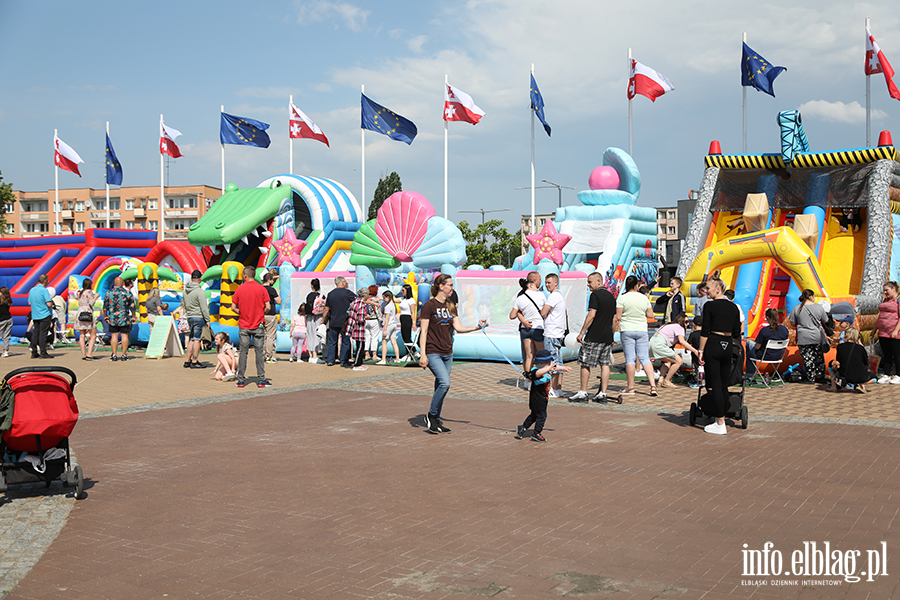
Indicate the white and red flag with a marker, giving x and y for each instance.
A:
(167, 143)
(645, 81)
(304, 127)
(876, 62)
(64, 157)
(459, 106)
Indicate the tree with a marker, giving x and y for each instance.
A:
(387, 185)
(491, 244)
(7, 199)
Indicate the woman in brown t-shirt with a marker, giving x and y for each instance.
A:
(438, 321)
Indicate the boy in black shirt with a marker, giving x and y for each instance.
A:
(537, 396)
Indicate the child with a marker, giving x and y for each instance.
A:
(181, 324)
(537, 396)
(226, 360)
(298, 333)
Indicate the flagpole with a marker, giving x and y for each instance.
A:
(56, 169)
(868, 99)
(162, 195)
(630, 130)
(446, 135)
(107, 181)
(362, 198)
(223, 158)
(532, 161)
(290, 138)
(744, 89)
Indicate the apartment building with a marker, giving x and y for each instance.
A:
(36, 213)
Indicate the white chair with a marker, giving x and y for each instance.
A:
(412, 347)
(771, 346)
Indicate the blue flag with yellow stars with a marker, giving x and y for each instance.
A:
(113, 167)
(757, 72)
(537, 104)
(243, 131)
(383, 120)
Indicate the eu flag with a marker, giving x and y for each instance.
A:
(537, 104)
(243, 131)
(113, 167)
(757, 72)
(383, 120)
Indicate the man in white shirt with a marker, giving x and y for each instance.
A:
(528, 310)
(554, 315)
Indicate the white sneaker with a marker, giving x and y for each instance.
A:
(5, 354)
(361, 368)
(381, 362)
(716, 428)
(600, 397)
(884, 379)
(895, 379)
(554, 393)
(579, 396)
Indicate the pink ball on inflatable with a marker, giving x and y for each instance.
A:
(604, 178)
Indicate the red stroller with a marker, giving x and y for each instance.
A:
(37, 415)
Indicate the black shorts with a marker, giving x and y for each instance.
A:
(119, 328)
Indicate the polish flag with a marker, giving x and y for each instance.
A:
(458, 106)
(65, 157)
(876, 62)
(645, 81)
(167, 137)
(303, 127)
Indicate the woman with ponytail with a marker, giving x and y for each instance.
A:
(439, 320)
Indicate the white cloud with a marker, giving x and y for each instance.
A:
(318, 11)
(838, 112)
(267, 92)
(415, 43)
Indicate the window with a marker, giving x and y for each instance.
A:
(57, 228)
(154, 225)
(671, 214)
(129, 204)
(10, 228)
(34, 206)
(79, 227)
(79, 206)
(152, 204)
(129, 224)
(113, 204)
(99, 204)
(36, 228)
(671, 231)
(11, 208)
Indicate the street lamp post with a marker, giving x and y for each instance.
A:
(483, 212)
(560, 188)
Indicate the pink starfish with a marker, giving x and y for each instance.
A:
(289, 248)
(548, 243)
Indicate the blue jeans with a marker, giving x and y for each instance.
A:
(439, 365)
(635, 343)
(333, 333)
(196, 327)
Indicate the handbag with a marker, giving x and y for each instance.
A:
(85, 316)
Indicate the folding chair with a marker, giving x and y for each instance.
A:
(412, 347)
(772, 345)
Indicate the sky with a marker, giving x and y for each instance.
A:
(73, 66)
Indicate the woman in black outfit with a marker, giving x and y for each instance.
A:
(721, 326)
(406, 307)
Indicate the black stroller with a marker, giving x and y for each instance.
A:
(735, 408)
(37, 415)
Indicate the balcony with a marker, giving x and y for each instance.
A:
(66, 214)
(140, 213)
(177, 234)
(33, 216)
(176, 212)
(102, 214)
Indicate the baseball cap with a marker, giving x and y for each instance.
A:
(196, 274)
(543, 356)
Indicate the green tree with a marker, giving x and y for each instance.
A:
(387, 185)
(490, 244)
(7, 199)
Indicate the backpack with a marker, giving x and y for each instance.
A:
(318, 306)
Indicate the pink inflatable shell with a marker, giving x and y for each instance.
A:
(402, 223)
